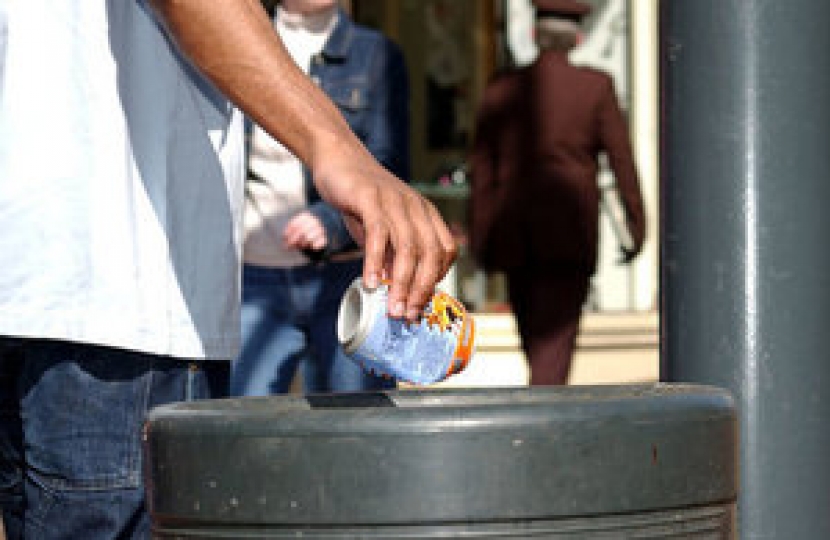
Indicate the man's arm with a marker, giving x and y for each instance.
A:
(233, 44)
(614, 137)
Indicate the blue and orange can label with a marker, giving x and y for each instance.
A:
(439, 344)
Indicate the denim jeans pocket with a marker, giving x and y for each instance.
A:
(83, 416)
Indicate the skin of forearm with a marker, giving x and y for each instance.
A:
(234, 45)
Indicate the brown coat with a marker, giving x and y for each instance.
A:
(535, 198)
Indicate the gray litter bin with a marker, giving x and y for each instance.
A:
(651, 461)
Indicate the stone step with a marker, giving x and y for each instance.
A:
(612, 348)
(624, 330)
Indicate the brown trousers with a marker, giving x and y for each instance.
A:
(548, 308)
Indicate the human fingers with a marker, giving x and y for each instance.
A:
(399, 231)
(409, 243)
(390, 240)
(433, 257)
(371, 227)
(307, 242)
(305, 231)
(406, 241)
(449, 246)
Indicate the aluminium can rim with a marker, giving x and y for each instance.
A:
(355, 316)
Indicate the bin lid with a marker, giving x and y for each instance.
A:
(442, 455)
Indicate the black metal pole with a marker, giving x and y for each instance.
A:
(745, 240)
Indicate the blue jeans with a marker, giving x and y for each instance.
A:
(70, 434)
(289, 320)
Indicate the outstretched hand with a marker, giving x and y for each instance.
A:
(404, 237)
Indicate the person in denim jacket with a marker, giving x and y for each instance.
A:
(299, 257)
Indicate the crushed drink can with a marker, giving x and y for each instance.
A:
(438, 345)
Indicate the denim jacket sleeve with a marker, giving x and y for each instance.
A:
(365, 74)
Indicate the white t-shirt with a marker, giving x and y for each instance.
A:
(281, 194)
(120, 184)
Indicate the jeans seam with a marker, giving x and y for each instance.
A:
(52, 485)
(189, 382)
(135, 467)
(34, 520)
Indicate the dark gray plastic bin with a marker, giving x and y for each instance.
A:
(603, 462)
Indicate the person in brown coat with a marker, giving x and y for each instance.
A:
(534, 210)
